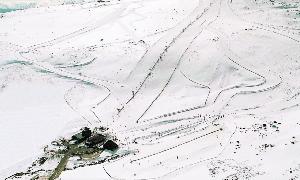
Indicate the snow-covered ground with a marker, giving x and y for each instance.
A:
(195, 89)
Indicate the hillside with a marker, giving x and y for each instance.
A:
(197, 89)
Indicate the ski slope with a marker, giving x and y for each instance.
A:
(200, 89)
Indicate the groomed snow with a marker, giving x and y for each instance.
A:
(198, 89)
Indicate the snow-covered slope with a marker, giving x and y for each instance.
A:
(197, 89)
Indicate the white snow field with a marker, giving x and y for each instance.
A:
(193, 89)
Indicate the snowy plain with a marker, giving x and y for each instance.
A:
(195, 89)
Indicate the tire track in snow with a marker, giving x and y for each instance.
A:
(63, 73)
(178, 145)
(103, 21)
(66, 74)
(260, 25)
(164, 51)
(160, 62)
(213, 99)
(196, 107)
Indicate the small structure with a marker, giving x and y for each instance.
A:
(82, 136)
(110, 145)
(86, 133)
(95, 140)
